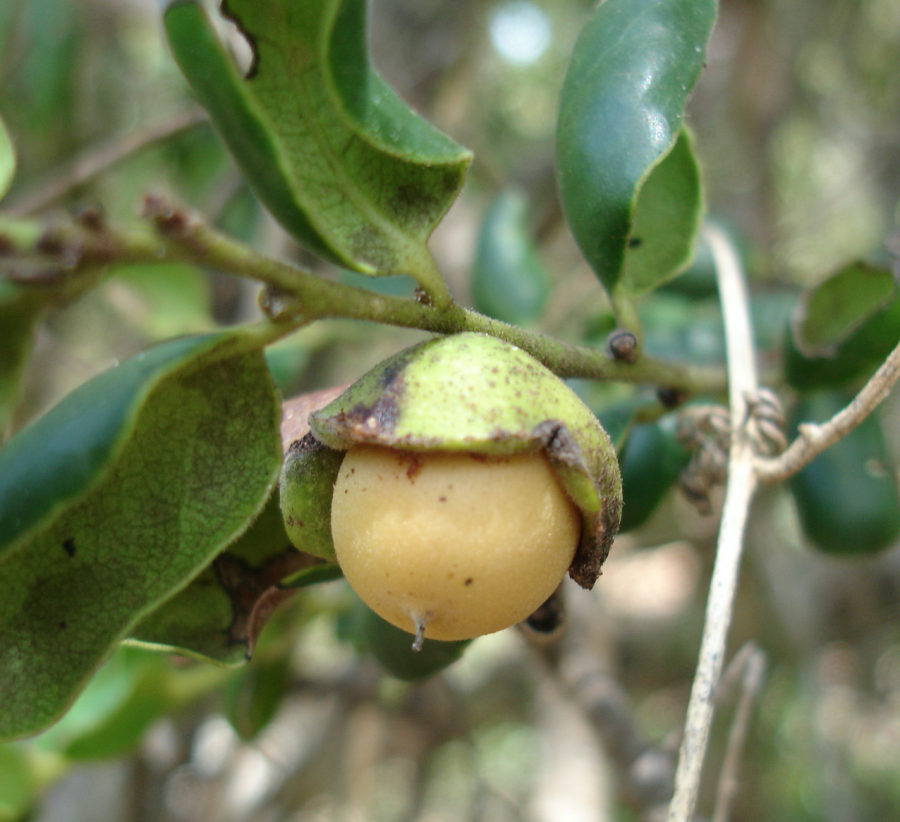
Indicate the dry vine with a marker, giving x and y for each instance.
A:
(746, 469)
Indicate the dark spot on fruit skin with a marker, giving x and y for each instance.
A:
(635, 242)
(442, 499)
(69, 546)
(63, 624)
(469, 581)
(413, 465)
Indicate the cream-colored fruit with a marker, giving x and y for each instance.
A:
(458, 544)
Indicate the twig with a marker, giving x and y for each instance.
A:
(97, 159)
(814, 439)
(741, 484)
(754, 669)
(72, 252)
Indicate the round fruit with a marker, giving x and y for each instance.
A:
(451, 546)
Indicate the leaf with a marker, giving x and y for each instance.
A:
(254, 696)
(18, 785)
(345, 166)
(127, 695)
(218, 616)
(621, 110)
(842, 328)
(666, 220)
(116, 498)
(21, 309)
(392, 647)
(173, 298)
(509, 281)
(7, 160)
(847, 497)
(650, 461)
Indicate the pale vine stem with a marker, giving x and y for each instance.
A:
(745, 472)
(740, 486)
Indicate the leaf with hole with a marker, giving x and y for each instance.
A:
(330, 149)
(116, 498)
(620, 119)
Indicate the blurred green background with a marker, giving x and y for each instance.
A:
(797, 123)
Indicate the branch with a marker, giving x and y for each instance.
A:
(814, 439)
(299, 296)
(97, 159)
(740, 487)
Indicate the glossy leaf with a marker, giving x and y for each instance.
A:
(847, 497)
(842, 328)
(650, 461)
(328, 147)
(7, 160)
(509, 281)
(666, 220)
(117, 497)
(219, 615)
(620, 115)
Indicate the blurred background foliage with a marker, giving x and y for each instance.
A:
(797, 124)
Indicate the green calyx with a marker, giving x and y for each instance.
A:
(476, 394)
(307, 481)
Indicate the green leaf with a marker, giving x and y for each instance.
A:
(650, 461)
(392, 647)
(328, 147)
(509, 281)
(18, 785)
(218, 616)
(21, 309)
(666, 220)
(127, 695)
(847, 497)
(254, 696)
(7, 160)
(116, 498)
(842, 328)
(620, 115)
(173, 298)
